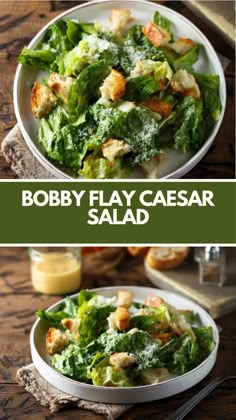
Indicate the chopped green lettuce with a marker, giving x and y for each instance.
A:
(85, 296)
(209, 85)
(138, 89)
(40, 59)
(205, 339)
(152, 320)
(77, 30)
(73, 133)
(101, 168)
(84, 88)
(137, 47)
(110, 376)
(68, 309)
(163, 22)
(52, 318)
(186, 61)
(88, 359)
(89, 50)
(93, 323)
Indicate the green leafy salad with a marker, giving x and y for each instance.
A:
(117, 98)
(118, 342)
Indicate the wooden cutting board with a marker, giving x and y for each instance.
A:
(184, 280)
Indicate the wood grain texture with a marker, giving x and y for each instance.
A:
(21, 20)
(18, 303)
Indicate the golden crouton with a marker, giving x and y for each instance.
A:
(182, 45)
(156, 35)
(179, 326)
(113, 148)
(125, 298)
(113, 86)
(72, 325)
(184, 84)
(56, 341)
(120, 19)
(119, 319)
(153, 300)
(123, 318)
(121, 360)
(60, 84)
(156, 105)
(42, 100)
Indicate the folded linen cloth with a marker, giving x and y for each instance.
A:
(20, 158)
(56, 400)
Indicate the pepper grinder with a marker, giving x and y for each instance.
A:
(212, 266)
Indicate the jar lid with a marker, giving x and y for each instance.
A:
(212, 253)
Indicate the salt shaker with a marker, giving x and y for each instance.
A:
(212, 266)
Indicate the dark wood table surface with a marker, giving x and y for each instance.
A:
(21, 20)
(18, 303)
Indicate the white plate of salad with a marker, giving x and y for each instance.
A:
(109, 92)
(124, 344)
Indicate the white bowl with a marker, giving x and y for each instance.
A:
(176, 163)
(130, 395)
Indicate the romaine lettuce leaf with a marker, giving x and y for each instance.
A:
(132, 342)
(153, 320)
(93, 323)
(185, 126)
(46, 56)
(85, 296)
(137, 47)
(90, 50)
(209, 85)
(159, 69)
(68, 309)
(110, 376)
(101, 168)
(187, 60)
(77, 30)
(189, 134)
(205, 338)
(140, 130)
(64, 143)
(137, 127)
(53, 319)
(73, 362)
(56, 38)
(84, 88)
(163, 22)
(39, 59)
(138, 89)
(93, 300)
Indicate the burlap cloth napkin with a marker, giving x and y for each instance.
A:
(56, 400)
(22, 161)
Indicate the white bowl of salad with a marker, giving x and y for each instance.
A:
(110, 92)
(124, 345)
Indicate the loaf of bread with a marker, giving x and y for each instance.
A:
(166, 258)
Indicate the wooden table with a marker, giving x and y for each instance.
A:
(18, 303)
(21, 20)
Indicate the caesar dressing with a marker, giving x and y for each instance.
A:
(55, 272)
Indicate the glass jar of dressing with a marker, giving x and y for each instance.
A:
(55, 270)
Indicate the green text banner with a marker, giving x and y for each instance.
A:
(78, 212)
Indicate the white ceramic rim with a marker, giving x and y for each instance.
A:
(179, 172)
(132, 288)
